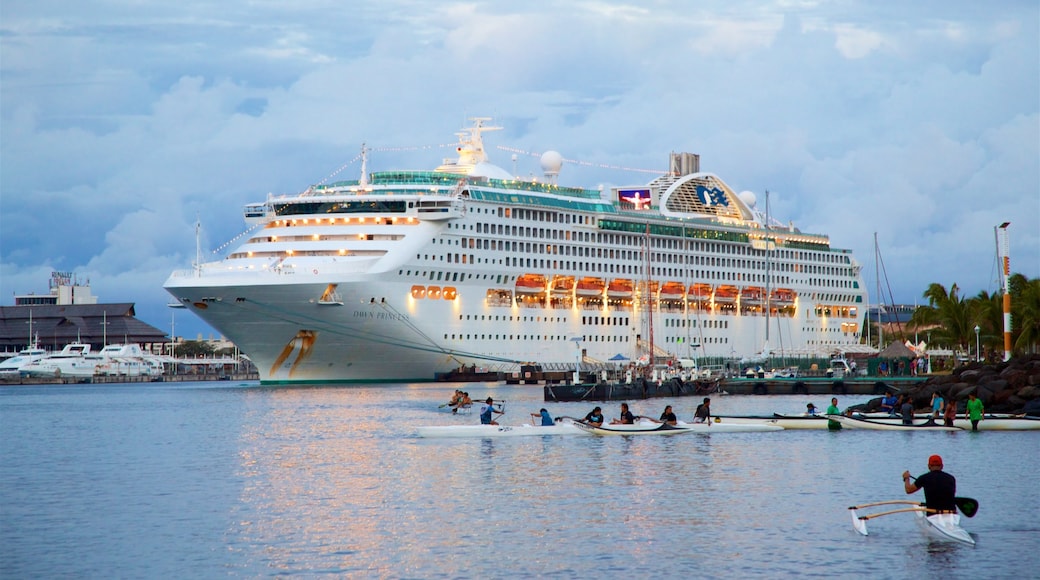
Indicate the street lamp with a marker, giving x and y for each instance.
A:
(978, 354)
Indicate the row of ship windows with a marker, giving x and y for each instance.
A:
(672, 273)
(637, 257)
(605, 238)
(442, 276)
(591, 338)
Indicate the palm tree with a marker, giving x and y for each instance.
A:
(1025, 313)
(988, 313)
(949, 314)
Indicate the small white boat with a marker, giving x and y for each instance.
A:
(944, 526)
(525, 430)
(13, 366)
(877, 425)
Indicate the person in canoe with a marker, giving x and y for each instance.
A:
(973, 411)
(545, 417)
(668, 416)
(888, 404)
(595, 417)
(811, 409)
(939, 487)
(703, 412)
(455, 401)
(486, 412)
(626, 418)
(833, 410)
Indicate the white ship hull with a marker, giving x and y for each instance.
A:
(426, 272)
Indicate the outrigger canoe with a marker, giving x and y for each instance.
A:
(525, 430)
(945, 526)
(647, 427)
(783, 421)
(877, 425)
(988, 423)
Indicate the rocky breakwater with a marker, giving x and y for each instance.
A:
(1007, 387)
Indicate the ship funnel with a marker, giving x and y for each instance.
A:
(684, 164)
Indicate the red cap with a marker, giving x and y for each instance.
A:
(935, 461)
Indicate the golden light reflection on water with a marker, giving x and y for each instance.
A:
(334, 480)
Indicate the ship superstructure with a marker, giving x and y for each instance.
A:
(402, 274)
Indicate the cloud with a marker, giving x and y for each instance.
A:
(121, 124)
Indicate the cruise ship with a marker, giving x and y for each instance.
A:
(400, 275)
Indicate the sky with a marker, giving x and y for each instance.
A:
(123, 123)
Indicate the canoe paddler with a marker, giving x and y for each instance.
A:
(939, 487)
(544, 416)
(703, 412)
(486, 411)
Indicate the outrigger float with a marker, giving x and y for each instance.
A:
(944, 526)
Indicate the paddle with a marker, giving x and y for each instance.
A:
(968, 506)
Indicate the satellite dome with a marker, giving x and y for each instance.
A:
(486, 169)
(551, 161)
(749, 198)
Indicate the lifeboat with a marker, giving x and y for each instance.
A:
(700, 292)
(751, 296)
(563, 285)
(726, 294)
(672, 291)
(590, 287)
(530, 284)
(782, 297)
(619, 288)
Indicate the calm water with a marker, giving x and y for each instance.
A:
(214, 479)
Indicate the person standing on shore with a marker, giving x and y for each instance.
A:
(974, 411)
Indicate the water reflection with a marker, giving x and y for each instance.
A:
(198, 481)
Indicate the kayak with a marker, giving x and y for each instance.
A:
(878, 425)
(944, 526)
(525, 430)
(654, 428)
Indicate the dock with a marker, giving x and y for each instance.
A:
(859, 385)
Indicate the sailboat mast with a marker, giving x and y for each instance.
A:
(769, 259)
(877, 282)
(649, 303)
(1003, 252)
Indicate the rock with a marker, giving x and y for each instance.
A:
(1005, 387)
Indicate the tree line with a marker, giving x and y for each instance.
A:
(950, 318)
